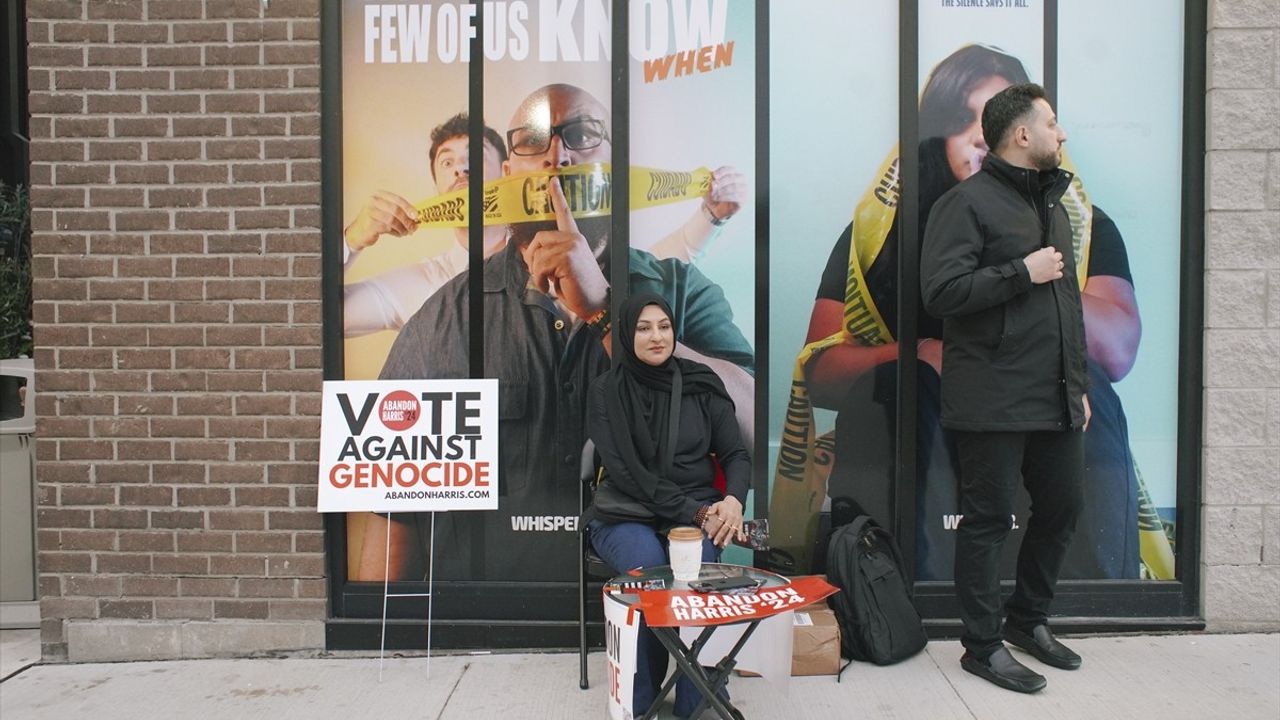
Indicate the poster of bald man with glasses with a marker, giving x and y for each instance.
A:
(546, 292)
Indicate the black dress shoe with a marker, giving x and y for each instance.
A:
(1003, 670)
(1043, 646)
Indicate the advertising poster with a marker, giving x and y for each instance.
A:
(547, 113)
(409, 446)
(968, 52)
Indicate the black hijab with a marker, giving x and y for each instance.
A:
(638, 397)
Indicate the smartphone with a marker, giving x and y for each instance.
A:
(757, 532)
(724, 584)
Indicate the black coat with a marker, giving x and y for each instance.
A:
(1014, 356)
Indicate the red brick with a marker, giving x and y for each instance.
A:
(52, 151)
(304, 30)
(148, 404)
(297, 610)
(147, 359)
(116, 380)
(60, 607)
(119, 427)
(204, 496)
(63, 427)
(262, 359)
(162, 244)
(205, 542)
(146, 495)
(249, 172)
(234, 149)
(175, 9)
(55, 9)
(204, 405)
(79, 80)
(202, 312)
(232, 55)
(304, 171)
(177, 427)
(123, 563)
(260, 266)
(118, 197)
(265, 496)
(317, 588)
(296, 566)
(121, 473)
(61, 562)
(187, 380)
(294, 194)
(79, 32)
(159, 150)
(92, 586)
(199, 32)
(160, 541)
(255, 450)
(200, 174)
(305, 519)
(294, 242)
(267, 588)
(201, 450)
(149, 312)
(291, 474)
(84, 450)
(117, 55)
(82, 219)
(230, 9)
(178, 519)
(107, 518)
(240, 609)
(143, 220)
(116, 290)
(295, 381)
(76, 267)
(126, 609)
(173, 102)
(114, 10)
(308, 217)
(87, 539)
(146, 174)
(145, 127)
(61, 335)
(309, 542)
(203, 358)
(236, 428)
(234, 197)
(237, 520)
(180, 564)
(144, 80)
(263, 542)
(144, 267)
(207, 587)
(52, 381)
(292, 148)
(54, 103)
(200, 220)
(140, 32)
(180, 473)
(145, 449)
(184, 609)
(259, 312)
(238, 243)
(110, 103)
(202, 79)
(238, 565)
(239, 474)
(305, 77)
(180, 55)
(111, 335)
(233, 102)
(200, 127)
(149, 586)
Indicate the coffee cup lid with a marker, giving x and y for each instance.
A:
(684, 532)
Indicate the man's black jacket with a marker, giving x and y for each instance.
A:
(1014, 356)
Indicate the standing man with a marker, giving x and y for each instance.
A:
(997, 265)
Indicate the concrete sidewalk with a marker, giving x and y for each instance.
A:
(1167, 677)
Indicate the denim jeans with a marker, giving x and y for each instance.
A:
(636, 545)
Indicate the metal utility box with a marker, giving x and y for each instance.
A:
(18, 605)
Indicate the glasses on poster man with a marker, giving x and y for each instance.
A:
(579, 134)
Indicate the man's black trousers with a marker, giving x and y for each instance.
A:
(1051, 465)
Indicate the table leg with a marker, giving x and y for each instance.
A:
(708, 684)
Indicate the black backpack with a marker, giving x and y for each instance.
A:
(878, 622)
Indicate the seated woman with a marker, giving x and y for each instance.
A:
(656, 478)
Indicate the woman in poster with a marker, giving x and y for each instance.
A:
(857, 376)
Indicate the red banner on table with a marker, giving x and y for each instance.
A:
(672, 608)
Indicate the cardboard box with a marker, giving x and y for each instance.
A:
(816, 642)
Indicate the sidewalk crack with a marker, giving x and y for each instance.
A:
(951, 685)
(452, 690)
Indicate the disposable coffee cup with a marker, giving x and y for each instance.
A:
(686, 552)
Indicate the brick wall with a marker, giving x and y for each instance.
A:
(176, 178)
(1242, 318)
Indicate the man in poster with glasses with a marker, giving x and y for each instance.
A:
(546, 337)
(997, 265)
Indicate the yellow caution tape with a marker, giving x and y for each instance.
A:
(588, 189)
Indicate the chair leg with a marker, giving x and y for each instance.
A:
(583, 683)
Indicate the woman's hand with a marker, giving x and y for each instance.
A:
(724, 521)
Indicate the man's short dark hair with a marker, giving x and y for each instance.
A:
(1003, 111)
(457, 126)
